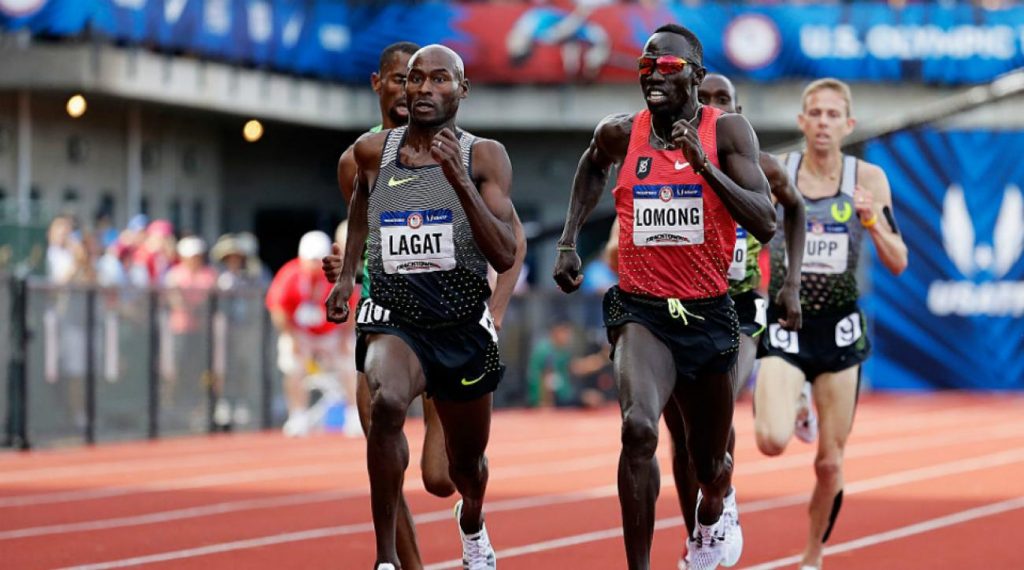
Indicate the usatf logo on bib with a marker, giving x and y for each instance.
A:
(417, 241)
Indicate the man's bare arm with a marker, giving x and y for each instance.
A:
(608, 147)
(505, 283)
(739, 182)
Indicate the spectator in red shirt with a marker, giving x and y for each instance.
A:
(306, 342)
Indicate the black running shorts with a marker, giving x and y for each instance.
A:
(825, 343)
(703, 335)
(751, 309)
(460, 361)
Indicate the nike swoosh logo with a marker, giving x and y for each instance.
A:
(392, 182)
(474, 381)
(681, 165)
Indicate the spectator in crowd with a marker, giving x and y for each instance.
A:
(189, 283)
(554, 372)
(60, 257)
(306, 341)
(157, 250)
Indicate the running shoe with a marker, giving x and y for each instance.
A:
(684, 560)
(806, 420)
(719, 543)
(477, 552)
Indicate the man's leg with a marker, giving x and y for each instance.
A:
(835, 395)
(434, 461)
(682, 465)
(408, 551)
(395, 379)
(707, 404)
(645, 372)
(467, 429)
(776, 397)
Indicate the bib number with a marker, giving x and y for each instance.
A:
(848, 330)
(418, 241)
(487, 321)
(780, 338)
(738, 267)
(669, 214)
(827, 249)
(371, 313)
(761, 312)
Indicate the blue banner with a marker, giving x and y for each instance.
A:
(523, 43)
(955, 318)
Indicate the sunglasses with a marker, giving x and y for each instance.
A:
(665, 64)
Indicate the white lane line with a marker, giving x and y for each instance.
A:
(577, 464)
(964, 465)
(891, 480)
(904, 532)
(754, 468)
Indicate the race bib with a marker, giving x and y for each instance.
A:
(487, 321)
(668, 214)
(371, 313)
(417, 241)
(738, 267)
(848, 330)
(826, 249)
(780, 338)
(761, 312)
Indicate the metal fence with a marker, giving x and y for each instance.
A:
(109, 364)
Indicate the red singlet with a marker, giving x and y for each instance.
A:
(676, 237)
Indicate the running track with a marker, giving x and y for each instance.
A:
(932, 482)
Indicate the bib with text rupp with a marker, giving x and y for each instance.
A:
(738, 267)
(669, 214)
(827, 248)
(418, 241)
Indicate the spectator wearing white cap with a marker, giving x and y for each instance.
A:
(307, 342)
(189, 284)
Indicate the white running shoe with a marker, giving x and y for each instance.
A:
(477, 552)
(684, 560)
(720, 543)
(385, 566)
(806, 420)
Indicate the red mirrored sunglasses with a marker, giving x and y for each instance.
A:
(665, 64)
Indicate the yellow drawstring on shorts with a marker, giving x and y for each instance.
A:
(678, 311)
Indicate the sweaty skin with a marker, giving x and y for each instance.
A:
(435, 86)
(718, 91)
(644, 365)
(825, 121)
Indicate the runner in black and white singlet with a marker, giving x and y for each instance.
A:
(847, 200)
(431, 205)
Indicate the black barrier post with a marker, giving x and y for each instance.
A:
(90, 366)
(16, 435)
(154, 365)
(210, 377)
(267, 391)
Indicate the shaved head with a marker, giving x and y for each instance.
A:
(718, 91)
(453, 59)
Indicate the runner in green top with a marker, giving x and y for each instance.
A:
(744, 281)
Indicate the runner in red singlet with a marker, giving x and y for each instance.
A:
(687, 175)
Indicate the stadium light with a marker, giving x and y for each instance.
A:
(76, 106)
(252, 131)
